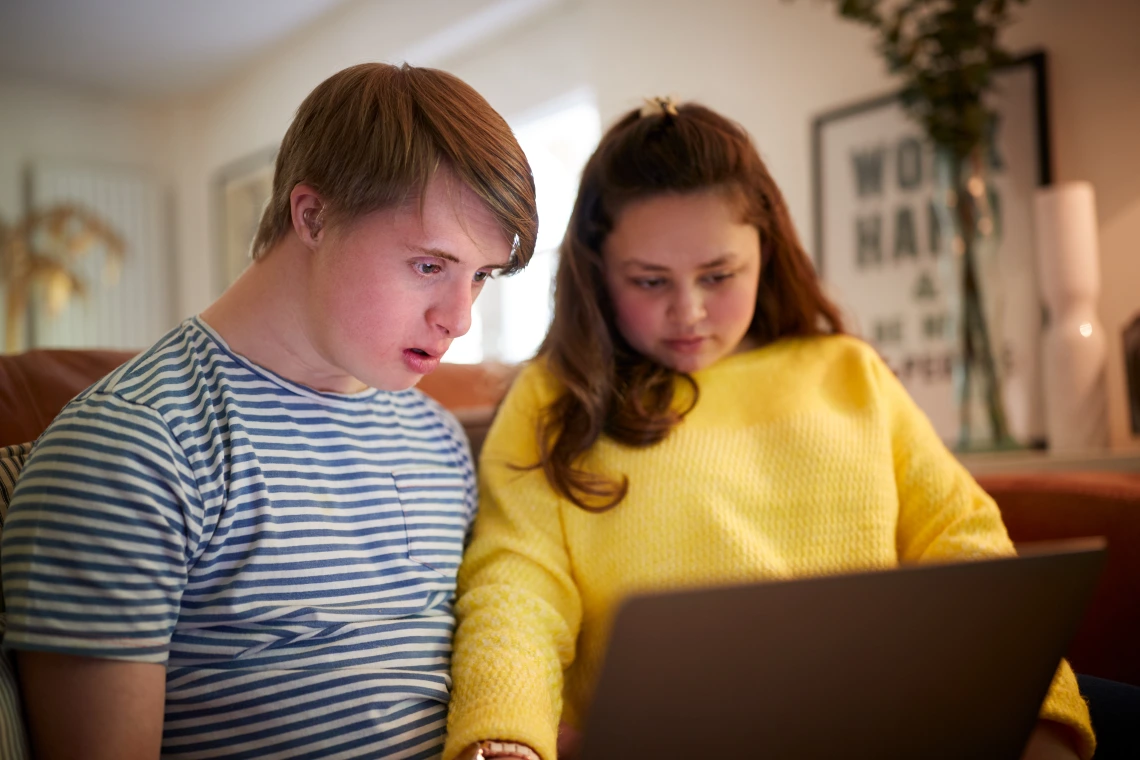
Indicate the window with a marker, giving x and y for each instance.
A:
(510, 318)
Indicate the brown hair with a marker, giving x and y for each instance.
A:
(372, 135)
(609, 388)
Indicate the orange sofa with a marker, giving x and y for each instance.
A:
(35, 385)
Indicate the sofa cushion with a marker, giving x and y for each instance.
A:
(12, 460)
(13, 741)
(1058, 505)
(36, 385)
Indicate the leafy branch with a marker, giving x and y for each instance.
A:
(946, 52)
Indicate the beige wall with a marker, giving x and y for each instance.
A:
(770, 64)
(529, 65)
(41, 122)
(774, 65)
(254, 109)
(1094, 72)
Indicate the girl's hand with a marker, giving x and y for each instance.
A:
(1050, 741)
(472, 751)
(569, 742)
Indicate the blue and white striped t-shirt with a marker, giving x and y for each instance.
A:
(289, 555)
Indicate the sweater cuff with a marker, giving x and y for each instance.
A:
(517, 705)
(1065, 705)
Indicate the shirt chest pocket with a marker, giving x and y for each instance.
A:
(433, 501)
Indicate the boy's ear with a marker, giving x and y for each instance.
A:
(308, 215)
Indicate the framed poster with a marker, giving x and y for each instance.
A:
(241, 191)
(881, 248)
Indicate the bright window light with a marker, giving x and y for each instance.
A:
(513, 313)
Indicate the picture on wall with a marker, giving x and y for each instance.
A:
(883, 245)
(241, 191)
(1132, 371)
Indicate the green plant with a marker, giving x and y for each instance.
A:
(945, 52)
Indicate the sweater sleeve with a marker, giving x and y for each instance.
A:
(519, 610)
(944, 514)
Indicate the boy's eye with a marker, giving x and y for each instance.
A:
(425, 267)
(481, 276)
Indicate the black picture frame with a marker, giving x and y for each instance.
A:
(883, 295)
(1131, 341)
(1036, 60)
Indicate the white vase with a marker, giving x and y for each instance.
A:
(1074, 346)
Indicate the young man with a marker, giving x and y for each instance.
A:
(243, 543)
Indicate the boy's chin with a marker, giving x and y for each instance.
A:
(393, 381)
(402, 384)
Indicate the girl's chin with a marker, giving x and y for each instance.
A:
(688, 364)
(688, 360)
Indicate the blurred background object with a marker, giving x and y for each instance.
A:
(1132, 365)
(1075, 346)
(41, 258)
(947, 55)
(176, 96)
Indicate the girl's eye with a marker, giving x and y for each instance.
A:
(717, 278)
(649, 283)
(426, 268)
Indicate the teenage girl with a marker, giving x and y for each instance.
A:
(695, 416)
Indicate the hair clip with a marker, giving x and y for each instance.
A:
(665, 106)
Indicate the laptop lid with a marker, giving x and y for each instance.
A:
(930, 661)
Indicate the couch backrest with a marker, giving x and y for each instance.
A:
(36, 385)
(1058, 505)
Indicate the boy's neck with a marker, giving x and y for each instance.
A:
(264, 317)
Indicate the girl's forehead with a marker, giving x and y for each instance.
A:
(691, 229)
(713, 207)
(722, 196)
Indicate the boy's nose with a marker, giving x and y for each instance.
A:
(452, 315)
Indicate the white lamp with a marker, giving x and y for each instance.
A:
(1075, 346)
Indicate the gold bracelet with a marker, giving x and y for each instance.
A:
(489, 749)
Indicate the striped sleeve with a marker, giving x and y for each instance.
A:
(13, 737)
(99, 535)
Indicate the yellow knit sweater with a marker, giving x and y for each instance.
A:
(801, 458)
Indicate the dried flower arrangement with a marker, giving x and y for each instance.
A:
(40, 251)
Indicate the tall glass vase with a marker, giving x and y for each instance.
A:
(966, 206)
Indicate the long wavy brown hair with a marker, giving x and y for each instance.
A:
(609, 388)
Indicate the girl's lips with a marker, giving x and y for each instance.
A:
(420, 363)
(686, 345)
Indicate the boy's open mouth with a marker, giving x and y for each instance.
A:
(420, 360)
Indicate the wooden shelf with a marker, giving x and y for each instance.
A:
(1044, 461)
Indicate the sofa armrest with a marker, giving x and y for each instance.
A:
(1060, 505)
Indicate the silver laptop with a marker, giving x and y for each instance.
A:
(931, 661)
